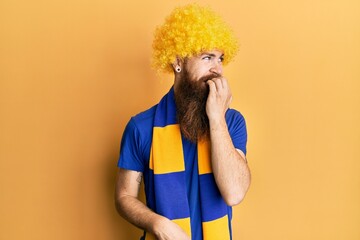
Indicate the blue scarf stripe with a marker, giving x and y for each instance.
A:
(212, 204)
(170, 200)
(167, 108)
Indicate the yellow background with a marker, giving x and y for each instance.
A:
(73, 72)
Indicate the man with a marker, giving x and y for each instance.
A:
(190, 148)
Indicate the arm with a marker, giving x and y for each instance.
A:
(231, 172)
(132, 209)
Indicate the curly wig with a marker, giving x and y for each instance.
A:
(188, 31)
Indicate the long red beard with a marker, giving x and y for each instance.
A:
(190, 98)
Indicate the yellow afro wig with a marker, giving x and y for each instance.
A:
(188, 31)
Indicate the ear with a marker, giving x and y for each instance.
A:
(178, 63)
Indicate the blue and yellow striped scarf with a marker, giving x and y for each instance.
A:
(169, 187)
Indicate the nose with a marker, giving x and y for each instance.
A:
(216, 68)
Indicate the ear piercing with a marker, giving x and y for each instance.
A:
(178, 69)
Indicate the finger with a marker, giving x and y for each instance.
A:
(218, 83)
(225, 83)
(212, 85)
(226, 86)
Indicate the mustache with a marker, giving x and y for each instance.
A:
(209, 77)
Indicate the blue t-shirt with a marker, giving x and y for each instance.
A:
(135, 155)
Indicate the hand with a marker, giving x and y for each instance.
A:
(168, 230)
(219, 98)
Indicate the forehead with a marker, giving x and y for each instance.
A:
(197, 57)
(215, 53)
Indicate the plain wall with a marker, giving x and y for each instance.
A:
(72, 73)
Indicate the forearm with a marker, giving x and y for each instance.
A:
(137, 213)
(141, 216)
(231, 172)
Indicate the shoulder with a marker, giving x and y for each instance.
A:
(144, 119)
(136, 141)
(140, 128)
(233, 116)
(237, 129)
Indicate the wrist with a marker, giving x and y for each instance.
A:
(158, 225)
(217, 122)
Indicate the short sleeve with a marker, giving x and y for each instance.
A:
(130, 149)
(237, 129)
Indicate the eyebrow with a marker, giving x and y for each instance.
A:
(211, 54)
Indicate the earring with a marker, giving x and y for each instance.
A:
(178, 69)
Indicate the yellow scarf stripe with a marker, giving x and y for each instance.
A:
(214, 230)
(184, 223)
(204, 157)
(169, 159)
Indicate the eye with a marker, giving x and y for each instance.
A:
(221, 59)
(206, 58)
